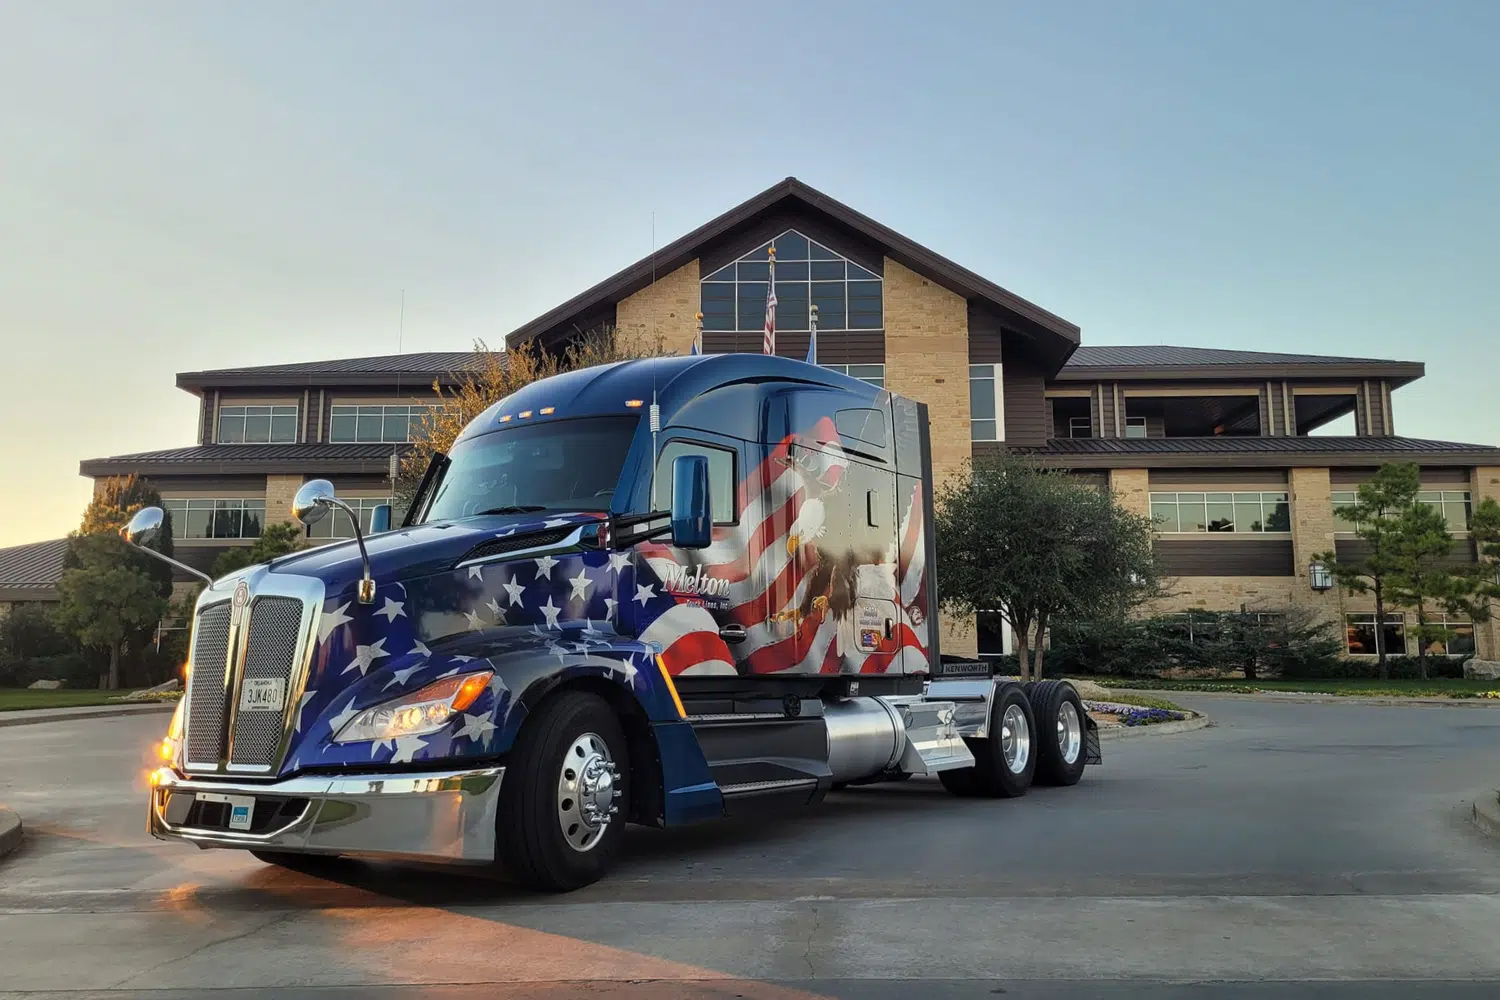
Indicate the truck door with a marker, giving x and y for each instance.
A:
(915, 544)
(715, 600)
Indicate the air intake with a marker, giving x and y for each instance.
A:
(515, 543)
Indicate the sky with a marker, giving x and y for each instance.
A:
(190, 186)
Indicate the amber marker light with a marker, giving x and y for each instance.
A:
(472, 687)
(633, 403)
(547, 411)
(671, 688)
(505, 419)
(524, 414)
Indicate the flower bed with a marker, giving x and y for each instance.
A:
(1134, 715)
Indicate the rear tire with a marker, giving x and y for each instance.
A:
(564, 798)
(1004, 762)
(1062, 725)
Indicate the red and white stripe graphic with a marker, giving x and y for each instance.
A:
(770, 341)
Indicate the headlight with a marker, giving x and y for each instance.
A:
(171, 746)
(416, 714)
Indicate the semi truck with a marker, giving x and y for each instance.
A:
(661, 591)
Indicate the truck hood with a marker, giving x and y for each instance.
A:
(425, 549)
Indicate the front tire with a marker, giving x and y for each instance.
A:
(564, 799)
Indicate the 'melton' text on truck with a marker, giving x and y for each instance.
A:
(659, 592)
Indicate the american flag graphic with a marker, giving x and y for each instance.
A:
(769, 344)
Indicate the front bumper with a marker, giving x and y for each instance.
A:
(437, 816)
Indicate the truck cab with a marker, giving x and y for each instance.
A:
(659, 591)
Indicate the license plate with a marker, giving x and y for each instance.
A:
(241, 807)
(262, 694)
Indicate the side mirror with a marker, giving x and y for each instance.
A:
(691, 520)
(380, 519)
(313, 501)
(145, 526)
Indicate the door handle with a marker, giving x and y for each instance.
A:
(890, 628)
(732, 633)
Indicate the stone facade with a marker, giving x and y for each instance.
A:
(1132, 490)
(279, 493)
(666, 311)
(927, 359)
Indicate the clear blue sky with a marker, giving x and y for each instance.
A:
(199, 185)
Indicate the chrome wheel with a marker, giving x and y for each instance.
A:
(1015, 739)
(1069, 732)
(586, 792)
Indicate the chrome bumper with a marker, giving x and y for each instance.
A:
(440, 816)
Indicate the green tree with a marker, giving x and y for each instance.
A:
(282, 538)
(105, 599)
(1039, 547)
(1376, 513)
(1420, 581)
(1484, 527)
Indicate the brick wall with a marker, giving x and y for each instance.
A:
(927, 359)
(279, 493)
(667, 309)
(1132, 490)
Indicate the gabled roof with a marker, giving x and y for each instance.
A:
(1057, 337)
(30, 572)
(235, 459)
(1261, 451)
(1164, 362)
(420, 369)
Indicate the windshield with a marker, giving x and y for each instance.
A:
(559, 465)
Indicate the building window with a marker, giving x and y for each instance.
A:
(258, 424)
(1460, 640)
(848, 297)
(378, 424)
(873, 374)
(1454, 505)
(335, 524)
(1080, 427)
(985, 404)
(1360, 634)
(197, 518)
(1221, 512)
(1135, 427)
(722, 495)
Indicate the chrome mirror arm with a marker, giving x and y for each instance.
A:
(173, 562)
(367, 582)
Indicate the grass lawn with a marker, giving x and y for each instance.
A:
(14, 699)
(1445, 688)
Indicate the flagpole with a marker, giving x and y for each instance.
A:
(769, 343)
(812, 341)
(698, 337)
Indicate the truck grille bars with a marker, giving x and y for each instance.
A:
(266, 646)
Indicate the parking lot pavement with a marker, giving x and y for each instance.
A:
(1315, 851)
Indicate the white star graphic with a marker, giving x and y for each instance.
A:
(462, 659)
(476, 728)
(496, 610)
(589, 629)
(581, 584)
(400, 676)
(514, 590)
(551, 612)
(619, 560)
(476, 572)
(406, 746)
(392, 610)
(555, 523)
(338, 721)
(630, 670)
(474, 621)
(420, 649)
(580, 647)
(366, 655)
(609, 607)
(379, 744)
(331, 620)
(544, 567)
(644, 593)
(447, 673)
(301, 704)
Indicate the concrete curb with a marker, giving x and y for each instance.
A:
(1486, 812)
(1293, 698)
(31, 716)
(10, 831)
(1158, 729)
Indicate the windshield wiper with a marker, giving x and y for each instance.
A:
(515, 508)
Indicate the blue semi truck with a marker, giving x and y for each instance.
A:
(658, 592)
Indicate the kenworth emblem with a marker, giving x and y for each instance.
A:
(241, 598)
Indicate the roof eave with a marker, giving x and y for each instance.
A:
(1261, 460)
(196, 382)
(1398, 373)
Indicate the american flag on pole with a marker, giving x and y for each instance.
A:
(770, 340)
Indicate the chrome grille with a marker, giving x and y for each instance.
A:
(270, 652)
(206, 697)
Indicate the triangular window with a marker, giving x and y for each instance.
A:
(848, 296)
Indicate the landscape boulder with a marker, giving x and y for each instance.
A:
(1482, 670)
(44, 685)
